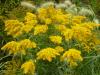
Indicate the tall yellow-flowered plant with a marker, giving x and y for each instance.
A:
(50, 35)
(72, 56)
(19, 47)
(47, 54)
(28, 67)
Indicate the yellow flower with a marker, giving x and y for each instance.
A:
(50, 14)
(81, 33)
(77, 19)
(27, 28)
(30, 16)
(40, 29)
(28, 67)
(19, 47)
(48, 21)
(61, 28)
(72, 56)
(59, 49)
(60, 19)
(47, 54)
(56, 39)
(13, 27)
(89, 25)
(29, 25)
(31, 22)
(12, 47)
(68, 34)
(51, 10)
(26, 43)
(42, 13)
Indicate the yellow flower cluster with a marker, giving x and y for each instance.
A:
(56, 39)
(78, 19)
(47, 54)
(59, 49)
(40, 29)
(13, 27)
(12, 47)
(90, 45)
(26, 43)
(28, 67)
(30, 22)
(69, 25)
(55, 16)
(18, 47)
(89, 25)
(29, 16)
(72, 56)
(68, 34)
(81, 33)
